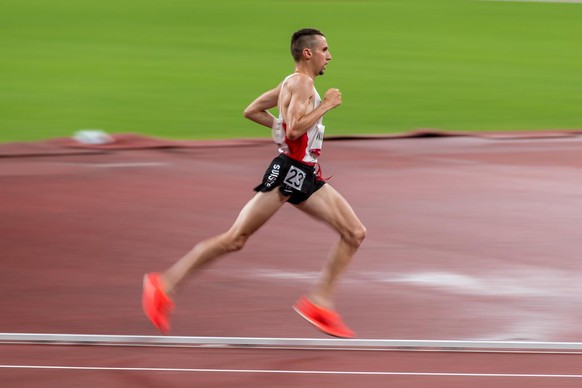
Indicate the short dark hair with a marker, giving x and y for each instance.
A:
(304, 38)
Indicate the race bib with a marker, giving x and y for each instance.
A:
(295, 178)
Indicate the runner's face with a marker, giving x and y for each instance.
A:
(320, 55)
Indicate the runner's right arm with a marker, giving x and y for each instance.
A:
(258, 110)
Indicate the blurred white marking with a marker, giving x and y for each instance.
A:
(464, 284)
(301, 372)
(517, 282)
(285, 275)
(125, 165)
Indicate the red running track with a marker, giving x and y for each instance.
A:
(54, 366)
(469, 239)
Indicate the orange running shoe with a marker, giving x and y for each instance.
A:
(157, 305)
(327, 321)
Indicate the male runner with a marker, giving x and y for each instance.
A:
(294, 177)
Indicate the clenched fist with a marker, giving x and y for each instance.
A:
(333, 97)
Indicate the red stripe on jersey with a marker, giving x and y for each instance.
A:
(297, 149)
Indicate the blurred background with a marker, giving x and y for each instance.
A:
(187, 69)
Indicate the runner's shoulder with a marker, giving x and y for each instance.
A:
(300, 81)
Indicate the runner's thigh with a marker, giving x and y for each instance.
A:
(258, 211)
(328, 205)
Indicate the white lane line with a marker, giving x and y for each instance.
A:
(123, 340)
(282, 371)
(347, 349)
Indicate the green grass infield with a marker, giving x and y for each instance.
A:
(187, 69)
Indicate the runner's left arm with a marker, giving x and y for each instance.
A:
(258, 110)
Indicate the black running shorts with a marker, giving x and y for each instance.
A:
(294, 179)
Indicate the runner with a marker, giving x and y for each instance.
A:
(293, 176)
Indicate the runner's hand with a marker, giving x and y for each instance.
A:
(333, 97)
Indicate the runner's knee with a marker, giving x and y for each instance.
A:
(236, 241)
(356, 235)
